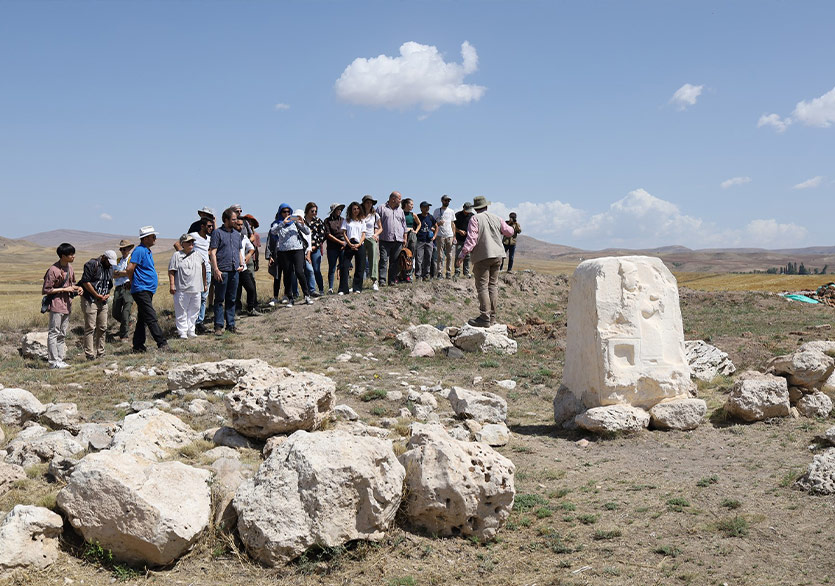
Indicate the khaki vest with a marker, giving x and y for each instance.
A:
(489, 243)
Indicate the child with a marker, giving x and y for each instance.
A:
(187, 280)
(59, 286)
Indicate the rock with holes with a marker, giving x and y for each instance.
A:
(153, 434)
(431, 336)
(225, 373)
(820, 476)
(680, 414)
(809, 367)
(625, 341)
(706, 361)
(29, 539)
(613, 419)
(756, 396)
(33, 345)
(280, 401)
(145, 512)
(17, 406)
(456, 487)
(33, 446)
(492, 339)
(815, 404)
(324, 488)
(483, 407)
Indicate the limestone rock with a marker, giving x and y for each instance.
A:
(280, 401)
(706, 361)
(228, 476)
(9, 474)
(681, 414)
(815, 404)
(95, 436)
(153, 434)
(483, 407)
(492, 339)
(435, 338)
(225, 373)
(221, 452)
(33, 345)
(566, 406)
(272, 444)
(756, 396)
(613, 418)
(33, 447)
(460, 433)
(60, 468)
(344, 412)
(199, 406)
(493, 434)
(456, 488)
(453, 352)
(808, 367)
(795, 394)
(422, 350)
(507, 384)
(625, 342)
(226, 436)
(61, 416)
(17, 406)
(29, 539)
(820, 476)
(135, 507)
(324, 488)
(828, 386)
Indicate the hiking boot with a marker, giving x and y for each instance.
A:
(200, 329)
(218, 331)
(478, 322)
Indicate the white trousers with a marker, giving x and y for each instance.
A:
(186, 310)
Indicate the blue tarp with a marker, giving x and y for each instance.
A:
(802, 298)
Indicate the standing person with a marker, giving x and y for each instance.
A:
(373, 228)
(335, 243)
(97, 281)
(392, 236)
(202, 239)
(204, 213)
(462, 220)
(186, 281)
(509, 242)
(317, 237)
(446, 231)
(412, 227)
(122, 299)
(484, 242)
(291, 248)
(427, 232)
(59, 287)
(225, 256)
(143, 276)
(353, 234)
(246, 278)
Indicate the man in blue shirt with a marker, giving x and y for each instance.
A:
(143, 276)
(225, 256)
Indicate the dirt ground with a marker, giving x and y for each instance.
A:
(713, 506)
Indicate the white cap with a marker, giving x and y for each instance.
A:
(146, 231)
(111, 256)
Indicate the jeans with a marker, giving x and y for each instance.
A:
(316, 266)
(292, 265)
(389, 252)
(201, 315)
(95, 327)
(423, 259)
(486, 273)
(466, 262)
(372, 258)
(246, 282)
(122, 305)
(359, 269)
(225, 290)
(510, 251)
(146, 316)
(56, 346)
(335, 254)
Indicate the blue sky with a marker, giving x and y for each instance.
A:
(116, 115)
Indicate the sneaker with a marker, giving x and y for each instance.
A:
(315, 294)
(340, 293)
(308, 300)
(272, 302)
(285, 300)
(477, 322)
(468, 274)
(290, 303)
(350, 289)
(199, 329)
(192, 335)
(218, 331)
(232, 330)
(253, 312)
(183, 337)
(330, 291)
(59, 364)
(321, 292)
(375, 286)
(165, 348)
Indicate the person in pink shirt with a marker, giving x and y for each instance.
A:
(484, 245)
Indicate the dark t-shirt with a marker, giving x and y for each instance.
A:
(425, 233)
(228, 246)
(462, 220)
(99, 277)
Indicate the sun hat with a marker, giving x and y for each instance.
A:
(251, 219)
(111, 256)
(366, 198)
(480, 201)
(335, 206)
(146, 231)
(186, 238)
(237, 207)
(125, 244)
(206, 210)
(467, 206)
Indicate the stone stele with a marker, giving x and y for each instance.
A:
(625, 342)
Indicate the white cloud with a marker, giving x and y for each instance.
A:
(809, 183)
(686, 95)
(543, 218)
(780, 124)
(818, 112)
(770, 234)
(734, 181)
(105, 216)
(282, 106)
(418, 77)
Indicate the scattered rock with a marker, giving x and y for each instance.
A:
(225, 373)
(681, 414)
(436, 339)
(460, 433)
(135, 507)
(61, 416)
(9, 474)
(324, 488)
(613, 418)
(566, 406)
(809, 367)
(492, 339)
(29, 536)
(344, 357)
(483, 407)
(394, 396)
(820, 476)
(95, 436)
(344, 412)
(493, 434)
(815, 404)
(152, 434)
(271, 444)
(221, 452)
(706, 361)
(453, 352)
(138, 406)
(830, 435)
(756, 396)
(18, 406)
(33, 345)
(582, 443)
(226, 436)
(61, 467)
(456, 488)
(31, 446)
(228, 476)
(422, 350)
(199, 406)
(506, 384)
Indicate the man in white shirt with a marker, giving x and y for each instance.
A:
(446, 235)
(201, 247)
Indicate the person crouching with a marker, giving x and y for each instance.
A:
(187, 281)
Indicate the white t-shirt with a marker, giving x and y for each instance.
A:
(188, 271)
(447, 229)
(370, 224)
(354, 229)
(201, 247)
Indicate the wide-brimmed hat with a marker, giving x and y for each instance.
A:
(251, 219)
(186, 238)
(111, 257)
(366, 198)
(237, 207)
(146, 231)
(125, 244)
(335, 206)
(467, 206)
(480, 201)
(206, 210)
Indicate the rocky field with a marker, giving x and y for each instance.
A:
(715, 505)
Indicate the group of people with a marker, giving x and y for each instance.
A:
(213, 265)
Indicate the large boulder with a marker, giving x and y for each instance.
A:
(153, 434)
(680, 414)
(280, 401)
(437, 339)
(612, 419)
(483, 407)
(34, 445)
(33, 345)
(706, 361)
(815, 404)
(456, 488)
(324, 488)
(809, 367)
(492, 339)
(493, 434)
(29, 539)
(145, 512)
(625, 341)
(225, 373)
(17, 406)
(820, 476)
(756, 396)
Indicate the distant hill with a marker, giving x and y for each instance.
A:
(88, 241)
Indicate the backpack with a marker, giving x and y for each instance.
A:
(405, 261)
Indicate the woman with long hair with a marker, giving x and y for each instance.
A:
(353, 234)
(335, 242)
(373, 228)
(313, 264)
